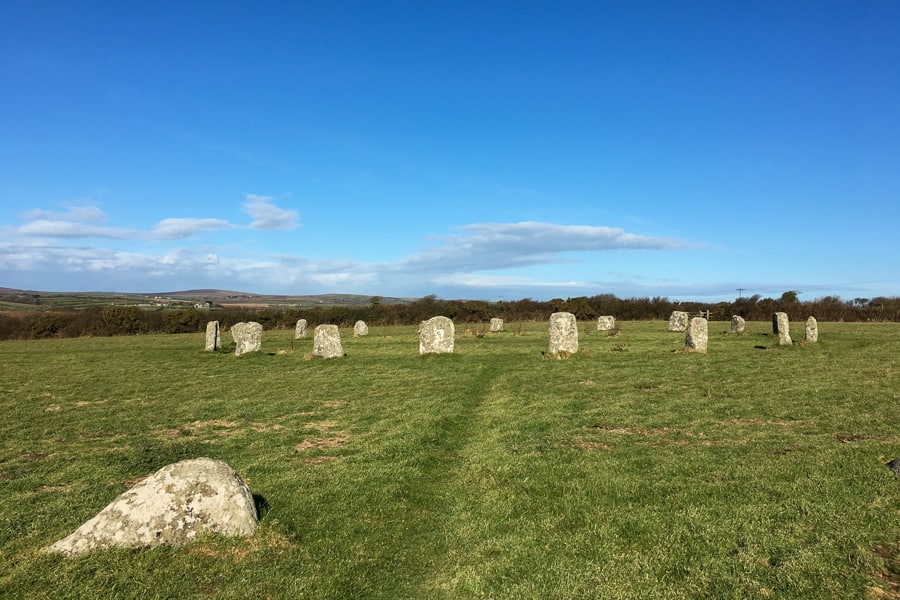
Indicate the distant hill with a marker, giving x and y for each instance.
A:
(32, 300)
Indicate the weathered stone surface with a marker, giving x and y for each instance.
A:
(327, 342)
(247, 337)
(606, 323)
(678, 321)
(696, 338)
(737, 324)
(782, 327)
(436, 336)
(563, 334)
(171, 507)
(212, 336)
(496, 325)
(812, 330)
(360, 328)
(300, 329)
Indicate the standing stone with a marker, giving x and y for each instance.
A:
(247, 337)
(812, 330)
(678, 321)
(563, 334)
(696, 338)
(496, 325)
(327, 342)
(360, 328)
(781, 326)
(436, 336)
(212, 336)
(606, 323)
(737, 324)
(300, 329)
(171, 507)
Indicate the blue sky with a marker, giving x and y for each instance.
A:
(490, 150)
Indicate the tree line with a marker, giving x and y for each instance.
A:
(132, 320)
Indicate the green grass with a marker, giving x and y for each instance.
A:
(629, 470)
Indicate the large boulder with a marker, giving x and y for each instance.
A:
(360, 328)
(171, 507)
(436, 336)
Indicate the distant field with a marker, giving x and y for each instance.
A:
(629, 470)
(20, 300)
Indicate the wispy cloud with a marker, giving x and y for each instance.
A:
(266, 215)
(504, 245)
(80, 220)
(177, 229)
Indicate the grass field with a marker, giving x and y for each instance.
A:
(627, 471)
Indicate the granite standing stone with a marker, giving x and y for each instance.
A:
(782, 327)
(300, 329)
(737, 324)
(563, 334)
(436, 336)
(496, 325)
(247, 337)
(360, 328)
(606, 323)
(678, 321)
(327, 342)
(696, 338)
(212, 336)
(812, 330)
(171, 507)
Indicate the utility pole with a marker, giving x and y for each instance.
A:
(740, 292)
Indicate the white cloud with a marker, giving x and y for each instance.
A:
(266, 215)
(73, 229)
(503, 245)
(77, 213)
(176, 229)
(81, 220)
